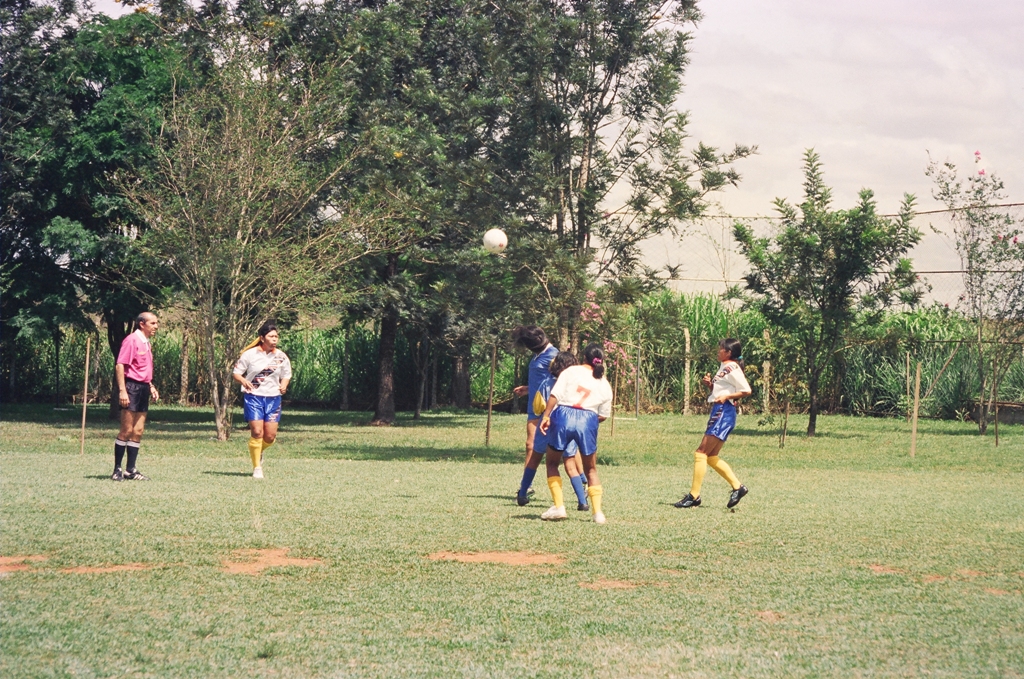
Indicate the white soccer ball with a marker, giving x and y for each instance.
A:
(495, 241)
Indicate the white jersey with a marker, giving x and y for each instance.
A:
(728, 380)
(264, 370)
(577, 388)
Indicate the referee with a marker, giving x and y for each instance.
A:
(135, 381)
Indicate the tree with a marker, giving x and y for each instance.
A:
(235, 203)
(990, 242)
(821, 267)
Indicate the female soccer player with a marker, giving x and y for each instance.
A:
(579, 401)
(264, 371)
(728, 385)
(538, 387)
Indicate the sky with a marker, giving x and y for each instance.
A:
(876, 87)
(873, 86)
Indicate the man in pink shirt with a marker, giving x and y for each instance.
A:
(134, 371)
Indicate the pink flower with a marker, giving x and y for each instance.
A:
(1014, 240)
(977, 154)
(981, 172)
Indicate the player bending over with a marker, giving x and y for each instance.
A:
(728, 385)
(264, 371)
(579, 401)
(538, 387)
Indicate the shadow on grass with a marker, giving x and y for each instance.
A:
(214, 473)
(100, 477)
(409, 453)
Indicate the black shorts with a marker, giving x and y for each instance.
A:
(138, 396)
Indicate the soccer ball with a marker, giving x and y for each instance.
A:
(495, 241)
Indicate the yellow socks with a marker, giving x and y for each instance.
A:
(595, 493)
(264, 449)
(725, 470)
(555, 485)
(255, 450)
(700, 468)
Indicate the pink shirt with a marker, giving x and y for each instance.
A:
(137, 357)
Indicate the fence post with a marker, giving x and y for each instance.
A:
(686, 385)
(615, 394)
(917, 404)
(908, 384)
(490, 395)
(766, 371)
(636, 404)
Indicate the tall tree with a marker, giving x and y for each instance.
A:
(821, 266)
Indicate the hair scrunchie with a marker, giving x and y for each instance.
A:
(596, 361)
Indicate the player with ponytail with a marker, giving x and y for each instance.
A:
(727, 386)
(264, 372)
(579, 401)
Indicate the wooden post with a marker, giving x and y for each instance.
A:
(995, 394)
(686, 362)
(615, 393)
(85, 395)
(785, 426)
(908, 384)
(490, 394)
(636, 404)
(917, 405)
(766, 372)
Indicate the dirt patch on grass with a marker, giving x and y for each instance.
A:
(601, 583)
(934, 578)
(509, 558)
(255, 561)
(967, 573)
(998, 592)
(769, 616)
(879, 569)
(117, 568)
(11, 564)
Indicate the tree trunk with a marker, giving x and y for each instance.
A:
(384, 413)
(116, 332)
(344, 372)
(422, 355)
(56, 366)
(183, 390)
(812, 392)
(460, 378)
(433, 380)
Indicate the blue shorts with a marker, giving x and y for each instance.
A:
(722, 420)
(541, 441)
(261, 408)
(573, 426)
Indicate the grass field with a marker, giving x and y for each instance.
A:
(847, 558)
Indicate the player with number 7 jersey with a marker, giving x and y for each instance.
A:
(580, 400)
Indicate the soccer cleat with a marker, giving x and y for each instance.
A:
(257, 473)
(583, 507)
(530, 492)
(554, 514)
(736, 496)
(599, 518)
(118, 475)
(688, 501)
(135, 475)
(522, 500)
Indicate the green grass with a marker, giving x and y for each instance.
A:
(846, 559)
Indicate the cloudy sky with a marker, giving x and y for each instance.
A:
(874, 86)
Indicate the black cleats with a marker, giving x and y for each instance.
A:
(118, 475)
(583, 507)
(736, 496)
(522, 500)
(135, 475)
(689, 501)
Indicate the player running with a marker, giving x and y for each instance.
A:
(538, 387)
(728, 385)
(264, 371)
(579, 401)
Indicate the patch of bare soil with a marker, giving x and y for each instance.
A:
(967, 573)
(997, 592)
(11, 564)
(601, 583)
(255, 561)
(934, 578)
(879, 569)
(509, 558)
(117, 568)
(769, 616)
